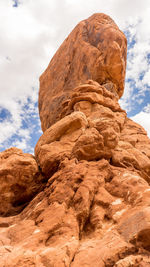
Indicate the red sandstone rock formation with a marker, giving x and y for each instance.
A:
(20, 180)
(94, 208)
(96, 49)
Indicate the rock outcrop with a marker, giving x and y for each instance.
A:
(95, 50)
(20, 179)
(90, 132)
(91, 171)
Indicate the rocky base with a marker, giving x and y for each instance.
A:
(90, 213)
(94, 209)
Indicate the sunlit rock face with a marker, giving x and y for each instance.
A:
(20, 180)
(91, 131)
(96, 49)
(91, 172)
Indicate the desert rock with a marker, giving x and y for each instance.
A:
(93, 207)
(20, 180)
(96, 49)
(90, 132)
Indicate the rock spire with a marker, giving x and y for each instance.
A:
(84, 199)
(95, 50)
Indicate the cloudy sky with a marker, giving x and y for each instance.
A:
(30, 33)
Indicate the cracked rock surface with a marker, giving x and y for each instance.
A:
(88, 185)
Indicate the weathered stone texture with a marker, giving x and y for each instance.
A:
(96, 49)
(20, 180)
(94, 209)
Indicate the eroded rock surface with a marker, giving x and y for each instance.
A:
(20, 180)
(96, 49)
(95, 207)
(90, 132)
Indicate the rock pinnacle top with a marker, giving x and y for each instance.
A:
(96, 49)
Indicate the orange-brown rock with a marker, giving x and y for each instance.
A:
(96, 49)
(90, 213)
(94, 209)
(20, 180)
(90, 132)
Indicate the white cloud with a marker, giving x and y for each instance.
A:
(126, 100)
(138, 65)
(146, 79)
(143, 119)
(147, 108)
(21, 144)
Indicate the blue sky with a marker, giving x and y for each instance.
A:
(31, 32)
(15, 3)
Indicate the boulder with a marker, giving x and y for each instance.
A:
(20, 180)
(96, 49)
(89, 131)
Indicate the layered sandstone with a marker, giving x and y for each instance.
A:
(94, 208)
